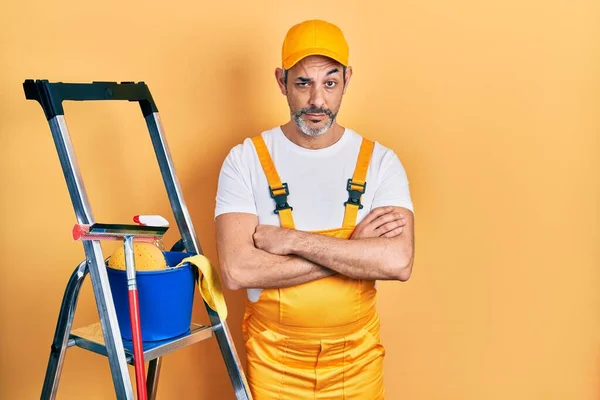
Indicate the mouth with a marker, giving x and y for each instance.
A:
(315, 117)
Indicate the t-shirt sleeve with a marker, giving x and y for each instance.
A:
(393, 188)
(234, 191)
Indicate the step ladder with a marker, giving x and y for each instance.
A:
(104, 337)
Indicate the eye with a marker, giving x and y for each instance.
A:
(302, 84)
(330, 84)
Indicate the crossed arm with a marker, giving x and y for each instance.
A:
(260, 256)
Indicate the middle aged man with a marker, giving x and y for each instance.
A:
(309, 215)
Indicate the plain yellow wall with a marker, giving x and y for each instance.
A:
(491, 105)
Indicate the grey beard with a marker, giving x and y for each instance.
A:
(304, 128)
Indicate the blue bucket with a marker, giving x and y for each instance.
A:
(166, 298)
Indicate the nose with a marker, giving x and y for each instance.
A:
(317, 96)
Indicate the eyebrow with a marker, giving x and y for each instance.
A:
(307, 80)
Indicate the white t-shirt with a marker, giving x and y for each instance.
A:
(316, 179)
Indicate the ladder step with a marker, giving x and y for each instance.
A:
(91, 338)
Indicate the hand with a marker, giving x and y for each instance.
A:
(381, 222)
(272, 239)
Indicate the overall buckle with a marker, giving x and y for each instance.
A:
(354, 194)
(280, 199)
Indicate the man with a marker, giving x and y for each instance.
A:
(309, 215)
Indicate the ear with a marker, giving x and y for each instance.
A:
(348, 77)
(280, 81)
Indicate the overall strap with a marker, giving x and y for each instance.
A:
(279, 191)
(357, 185)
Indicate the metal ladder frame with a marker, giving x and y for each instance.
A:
(50, 96)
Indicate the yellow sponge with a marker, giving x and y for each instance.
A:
(147, 256)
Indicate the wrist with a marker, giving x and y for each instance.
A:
(293, 239)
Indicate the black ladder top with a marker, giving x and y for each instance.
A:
(50, 95)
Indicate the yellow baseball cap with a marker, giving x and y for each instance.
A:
(314, 37)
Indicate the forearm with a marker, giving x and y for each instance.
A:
(258, 269)
(373, 258)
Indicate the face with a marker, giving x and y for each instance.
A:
(314, 90)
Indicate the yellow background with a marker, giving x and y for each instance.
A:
(493, 107)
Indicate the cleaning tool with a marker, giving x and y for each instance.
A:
(208, 284)
(127, 233)
(152, 220)
(104, 337)
(166, 299)
(134, 315)
(148, 257)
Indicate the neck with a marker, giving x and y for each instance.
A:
(296, 136)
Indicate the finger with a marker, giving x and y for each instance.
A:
(393, 232)
(384, 219)
(376, 213)
(390, 226)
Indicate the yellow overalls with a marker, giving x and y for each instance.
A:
(317, 340)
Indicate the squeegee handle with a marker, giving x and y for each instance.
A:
(135, 319)
(138, 348)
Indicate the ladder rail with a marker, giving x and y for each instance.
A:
(229, 352)
(192, 244)
(95, 259)
(152, 380)
(167, 169)
(63, 329)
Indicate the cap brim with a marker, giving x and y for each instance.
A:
(294, 58)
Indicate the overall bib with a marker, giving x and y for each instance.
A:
(317, 340)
